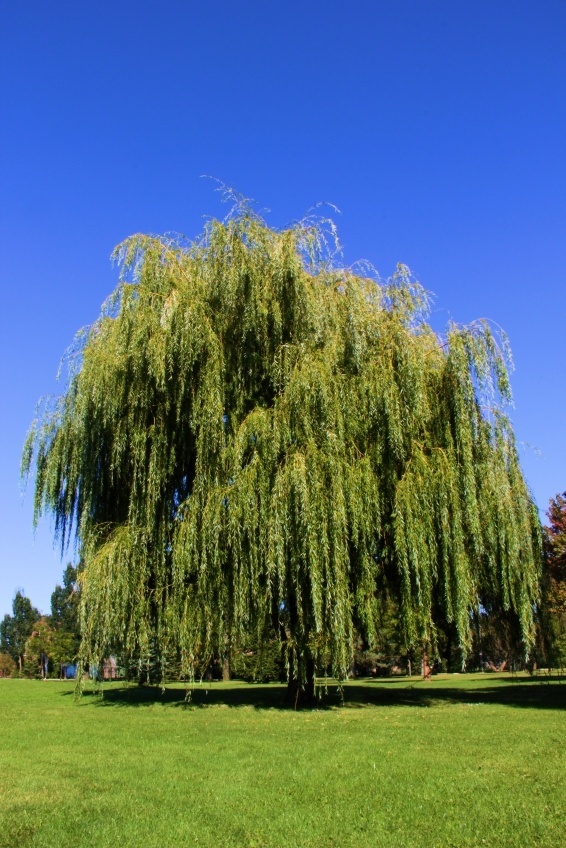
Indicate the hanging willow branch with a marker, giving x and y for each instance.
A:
(255, 440)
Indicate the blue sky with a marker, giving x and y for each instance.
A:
(437, 128)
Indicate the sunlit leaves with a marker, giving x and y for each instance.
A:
(254, 441)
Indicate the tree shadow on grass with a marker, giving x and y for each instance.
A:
(539, 693)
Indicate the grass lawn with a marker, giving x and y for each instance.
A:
(459, 761)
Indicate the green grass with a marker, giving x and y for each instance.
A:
(460, 761)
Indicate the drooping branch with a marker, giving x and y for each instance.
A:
(250, 445)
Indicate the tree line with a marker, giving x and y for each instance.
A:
(35, 645)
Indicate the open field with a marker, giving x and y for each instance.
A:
(474, 760)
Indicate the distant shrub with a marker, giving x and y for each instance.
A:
(259, 666)
(7, 665)
(372, 664)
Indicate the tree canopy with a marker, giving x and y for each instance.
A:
(555, 533)
(15, 629)
(554, 581)
(254, 440)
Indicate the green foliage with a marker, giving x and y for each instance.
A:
(65, 601)
(154, 666)
(37, 648)
(555, 533)
(63, 647)
(7, 665)
(26, 635)
(259, 664)
(552, 614)
(15, 629)
(253, 439)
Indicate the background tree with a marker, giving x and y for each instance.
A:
(38, 648)
(7, 665)
(253, 440)
(26, 634)
(553, 607)
(15, 629)
(48, 649)
(555, 537)
(65, 601)
(62, 650)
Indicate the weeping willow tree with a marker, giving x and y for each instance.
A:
(255, 440)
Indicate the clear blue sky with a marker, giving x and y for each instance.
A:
(437, 128)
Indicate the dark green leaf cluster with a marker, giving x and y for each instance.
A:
(65, 601)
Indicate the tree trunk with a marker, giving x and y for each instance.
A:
(301, 692)
(226, 667)
(425, 667)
